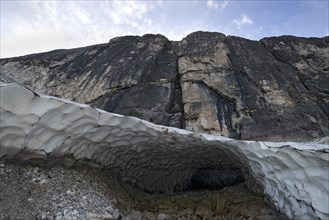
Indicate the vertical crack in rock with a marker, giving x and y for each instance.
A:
(208, 85)
(226, 113)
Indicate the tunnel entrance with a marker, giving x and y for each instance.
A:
(211, 178)
(174, 170)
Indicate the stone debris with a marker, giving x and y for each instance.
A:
(204, 212)
(97, 197)
(135, 215)
(116, 214)
(163, 216)
(93, 216)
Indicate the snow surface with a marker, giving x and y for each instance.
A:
(293, 176)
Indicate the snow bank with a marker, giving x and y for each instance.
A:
(292, 176)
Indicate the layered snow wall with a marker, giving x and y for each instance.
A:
(35, 128)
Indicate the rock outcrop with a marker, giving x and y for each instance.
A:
(293, 177)
(273, 89)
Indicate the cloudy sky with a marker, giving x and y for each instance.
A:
(36, 26)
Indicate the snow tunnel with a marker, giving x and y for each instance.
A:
(180, 166)
(159, 159)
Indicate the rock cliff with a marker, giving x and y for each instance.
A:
(273, 89)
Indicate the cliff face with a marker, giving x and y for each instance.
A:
(273, 89)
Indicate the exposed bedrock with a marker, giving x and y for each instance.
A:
(274, 89)
(134, 76)
(252, 89)
(293, 177)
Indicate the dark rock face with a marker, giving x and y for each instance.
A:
(134, 76)
(273, 89)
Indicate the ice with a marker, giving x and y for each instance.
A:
(156, 158)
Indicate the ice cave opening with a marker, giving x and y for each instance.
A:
(164, 160)
(167, 170)
(214, 178)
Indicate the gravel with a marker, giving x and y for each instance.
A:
(33, 192)
(28, 192)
